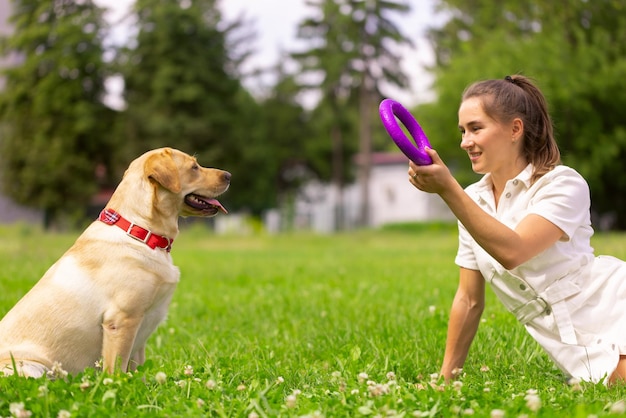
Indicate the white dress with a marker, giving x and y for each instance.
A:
(571, 302)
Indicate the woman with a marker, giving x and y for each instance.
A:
(525, 229)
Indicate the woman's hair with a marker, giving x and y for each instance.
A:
(517, 97)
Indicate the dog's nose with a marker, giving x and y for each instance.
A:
(227, 176)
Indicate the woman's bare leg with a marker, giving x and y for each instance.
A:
(619, 375)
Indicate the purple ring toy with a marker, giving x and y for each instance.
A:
(389, 110)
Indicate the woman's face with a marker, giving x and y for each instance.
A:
(493, 147)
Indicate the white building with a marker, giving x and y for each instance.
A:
(392, 199)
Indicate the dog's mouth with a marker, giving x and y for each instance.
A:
(204, 204)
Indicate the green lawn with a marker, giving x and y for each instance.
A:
(302, 325)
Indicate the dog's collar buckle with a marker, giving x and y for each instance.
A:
(152, 240)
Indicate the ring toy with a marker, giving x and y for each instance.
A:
(389, 110)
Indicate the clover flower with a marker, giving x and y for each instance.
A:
(57, 372)
(533, 402)
(211, 384)
(18, 410)
(160, 377)
(618, 407)
(188, 370)
(42, 391)
(377, 389)
(290, 401)
(497, 413)
(63, 413)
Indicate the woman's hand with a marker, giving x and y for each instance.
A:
(433, 178)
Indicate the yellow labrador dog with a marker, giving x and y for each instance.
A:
(105, 296)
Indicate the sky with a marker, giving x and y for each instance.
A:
(275, 22)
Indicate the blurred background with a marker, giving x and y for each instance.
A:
(284, 95)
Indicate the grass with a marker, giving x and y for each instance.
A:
(301, 325)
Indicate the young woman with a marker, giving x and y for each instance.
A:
(525, 230)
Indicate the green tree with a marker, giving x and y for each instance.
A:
(352, 49)
(54, 125)
(575, 50)
(178, 88)
(274, 158)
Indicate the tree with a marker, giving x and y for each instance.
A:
(54, 124)
(352, 52)
(575, 50)
(178, 89)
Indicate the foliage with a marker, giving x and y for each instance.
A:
(177, 89)
(54, 126)
(348, 57)
(301, 325)
(576, 51)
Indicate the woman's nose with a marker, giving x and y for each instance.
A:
(466, 143)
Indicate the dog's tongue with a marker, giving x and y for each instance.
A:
(217, 204)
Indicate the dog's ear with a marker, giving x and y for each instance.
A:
(160, 167)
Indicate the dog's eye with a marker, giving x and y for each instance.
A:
(195, 167)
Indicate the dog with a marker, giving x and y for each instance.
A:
(106, 295)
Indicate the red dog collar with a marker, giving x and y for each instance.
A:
(111, 217)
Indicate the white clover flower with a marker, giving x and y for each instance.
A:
(391, 376)
(253, 415)
(211, 384)
(434, 377)
(57, 372)
(42, 391)
(457, 385)
(618, 407)
(63, 413)
(432, 309)
(574, 383)
(378, 389)
(107, 381)
(160, 377)
(496, 413)
(354, 392)
(188, 370)
(98, 364)
(84, 385)
(280, 380)
(200, 403)
(241, 387)
(181, 383)
(336, 374)
(18, 410)
(533, 402)
(468, 411)
(484, 368)
(297, 392)
(362, 377)
(290, 401)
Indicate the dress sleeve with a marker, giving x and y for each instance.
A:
(465, 256)
(563, 199)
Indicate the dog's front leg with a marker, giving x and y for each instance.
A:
(138, 358)
(120, 331)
